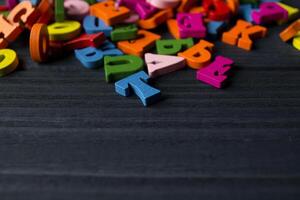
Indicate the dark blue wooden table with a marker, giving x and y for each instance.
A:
(66, 135)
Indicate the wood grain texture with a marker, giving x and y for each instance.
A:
(65, 134)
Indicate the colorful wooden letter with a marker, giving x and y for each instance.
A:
(242, 33)
(191, 25)
(139, 46)
(292, 12)
(39, 43)
(296, 42)
(92, 24)
(65, 30)
(290, 31)
(119, 67)
(85, 40)
(8, 30)
(59, 10)
(138, 82)
(160, 64)
(198, 55)
(77, 10)
(109, 49)
(124, 32)
(172, 47)
(90, 57)
(216, 10)
(156, 20)
(214, 73)
(109, 13)
(173, 28)
(8, 62)
(214, 28)
(269, 12)
(24, 12)
(144, 9)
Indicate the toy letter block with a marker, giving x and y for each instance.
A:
(191, 25)
(9, 61)
(269, 12)
(173, 28)
(233, 5)
(39, 43)
(214, 28)
(144, 9)
(172, 47)
(214, 73)
(138, 82)
(85, 40)
(292, 12)
(119, 67)
(144, 42)
(90, 57)
(198, 55)
(109, 49)
(128, 3)
(108, 12)
(290, 31)
(160, 64)
(92, 24)
(156, 20)
(76, 10)
(216, 10)
(242, 33)
(66, 30)
(124, 32)
(59, 10)
(296, 42)
(45, 10)
(24, 12)
(245, 42)
(9, 31)
(245, 10)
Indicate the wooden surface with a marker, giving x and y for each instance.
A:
(65, 134)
